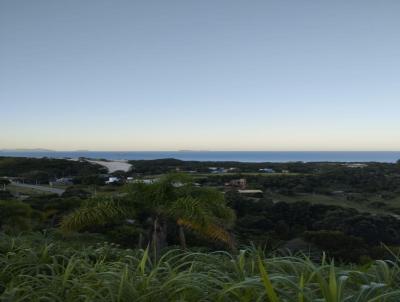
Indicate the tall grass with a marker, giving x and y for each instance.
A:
(35, 269)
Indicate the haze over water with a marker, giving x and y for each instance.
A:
(242, 156)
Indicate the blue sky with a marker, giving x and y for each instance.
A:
(215, 75)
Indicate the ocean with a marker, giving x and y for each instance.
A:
(241, 156)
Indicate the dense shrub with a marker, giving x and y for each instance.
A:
(15, 216)
(338, 245)
(38, 268)
(5, 195)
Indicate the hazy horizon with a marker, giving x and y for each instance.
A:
(190, 150)
(200, 75)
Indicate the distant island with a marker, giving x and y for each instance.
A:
(27, 150)
(193, 150)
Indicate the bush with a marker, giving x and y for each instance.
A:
(338, 245)
(76, 192)
(5, 195)
(15, 216)
(126, 235)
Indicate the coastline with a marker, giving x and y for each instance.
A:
(219, 156)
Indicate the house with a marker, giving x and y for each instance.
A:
(148, 181)
(238, 183)
(266, 170)
(216, 170)
(252, 193)
(130, 179)
(177, 184)
(355, 166)
(112, 179)
(64, 181)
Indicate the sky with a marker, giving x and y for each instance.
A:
(201, 75)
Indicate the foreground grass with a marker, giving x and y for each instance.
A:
(39, 268)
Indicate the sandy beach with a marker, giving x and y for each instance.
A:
(112, 166)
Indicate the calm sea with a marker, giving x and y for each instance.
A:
(242, 156)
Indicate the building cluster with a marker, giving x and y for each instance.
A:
(240, 185)
(217, 170)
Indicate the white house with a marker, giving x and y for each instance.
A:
(267, 170)
(112, 179)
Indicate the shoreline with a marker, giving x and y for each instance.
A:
(111, 165)
(223, 156)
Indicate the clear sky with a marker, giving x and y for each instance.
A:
(215, 75)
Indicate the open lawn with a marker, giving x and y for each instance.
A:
(341, 200)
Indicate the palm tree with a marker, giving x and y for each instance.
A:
(171, 199)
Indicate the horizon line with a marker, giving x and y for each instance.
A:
(183, 150)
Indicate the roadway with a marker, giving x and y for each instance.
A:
(39, 188)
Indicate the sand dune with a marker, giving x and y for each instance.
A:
(112, 166)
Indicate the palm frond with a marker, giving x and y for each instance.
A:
(210, 231)
(215, 203)
(190, 209)
(98, 214)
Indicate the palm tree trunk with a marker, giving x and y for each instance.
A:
(159, 236)
(155, 238)
(182, 237)
(163, 235)
(140, 242)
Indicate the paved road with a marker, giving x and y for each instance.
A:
(39, 188)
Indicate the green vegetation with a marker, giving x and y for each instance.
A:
(41, 268)
(40, 170)
(172, 199)
(313, 232)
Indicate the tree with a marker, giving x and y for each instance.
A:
(3, 183)
(172, 199)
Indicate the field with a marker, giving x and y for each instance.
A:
(343, 201)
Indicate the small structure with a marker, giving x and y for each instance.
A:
(250, 191)
(64, 181)
(237, 183)
(148, 181)
(216, 170)
(356, 165)
(177, 184)
(267, 170)
(112, 179)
